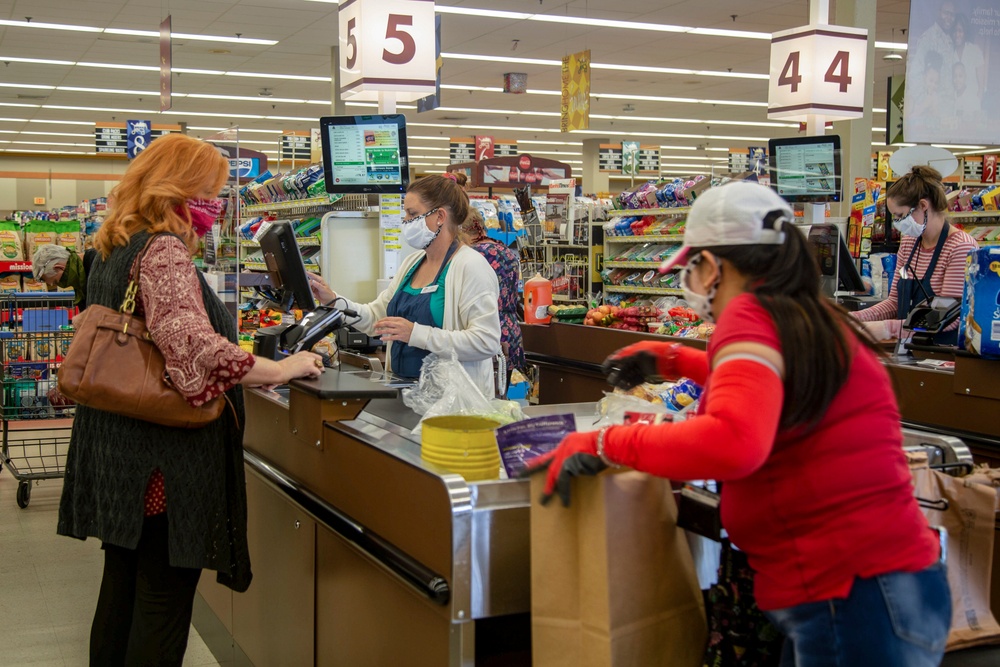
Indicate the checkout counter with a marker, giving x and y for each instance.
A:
(362, 553)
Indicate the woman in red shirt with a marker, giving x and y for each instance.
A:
(799, 420)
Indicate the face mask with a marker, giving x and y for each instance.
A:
(416, 234)
(204, 213)
(908, 226)
(701, 304)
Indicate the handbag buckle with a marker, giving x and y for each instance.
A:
(128, 305)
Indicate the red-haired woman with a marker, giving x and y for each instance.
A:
(165, 502)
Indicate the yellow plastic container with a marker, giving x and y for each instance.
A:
(463, 445)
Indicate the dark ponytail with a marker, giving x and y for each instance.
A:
(813, 331)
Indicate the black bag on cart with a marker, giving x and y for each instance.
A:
(739, 635)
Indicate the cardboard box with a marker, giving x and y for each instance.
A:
(979, 324)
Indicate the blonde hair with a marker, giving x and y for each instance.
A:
(152, 192)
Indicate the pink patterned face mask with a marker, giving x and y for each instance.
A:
(204, 213)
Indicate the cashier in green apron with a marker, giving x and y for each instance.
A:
(931, 258)
(443, 298)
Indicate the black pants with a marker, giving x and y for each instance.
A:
(144, 610)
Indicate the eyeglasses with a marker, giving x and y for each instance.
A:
(902, 217)
(422, 216)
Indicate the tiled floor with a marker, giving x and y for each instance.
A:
(49, 585)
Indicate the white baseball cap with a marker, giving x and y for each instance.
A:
(737, 213)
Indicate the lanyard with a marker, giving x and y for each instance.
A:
(926, 279)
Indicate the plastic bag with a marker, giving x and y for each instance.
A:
(612, 408)
(445, 388)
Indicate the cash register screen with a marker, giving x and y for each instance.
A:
(365, 154)
(285, 266)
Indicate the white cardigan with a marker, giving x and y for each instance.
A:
(471, 323)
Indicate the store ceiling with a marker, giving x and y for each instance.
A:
(306, 30)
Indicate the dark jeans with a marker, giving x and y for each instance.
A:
(144, 610)
(898, 619)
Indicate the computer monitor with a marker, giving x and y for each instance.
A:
(806, 169)
(837, 268)
(365, 154)
(285, 266)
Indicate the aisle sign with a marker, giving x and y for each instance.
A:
(973, 168)
(609, 158)
(140, 133)
(387, 45)
(649, 159)
(818, 70)
(462, 150)
(110, 138)
(990, 168)
(757, 160)
(504, 148)
(484, 148)
(884, 171)
(739, 160)
(630, 157)
(296, 145)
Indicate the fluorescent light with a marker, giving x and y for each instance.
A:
(698, 121)
(107, 91)
(892, 46)
(53, 134)
(135, 33)
(607, 66)
(20, 105)
(139, 68)
(49, 143)
(37, 61)
(23, 150)
(262, 75)
(59, 122)
(32, 86)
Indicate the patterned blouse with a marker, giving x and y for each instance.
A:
(508, 269)
(202, 364)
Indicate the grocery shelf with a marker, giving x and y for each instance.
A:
(620, 212)
(614, 264)
(678, 238)
(261, 266)
(562, 298)
(292, 205)
(960, 215)
(303, 242)
(628, 289)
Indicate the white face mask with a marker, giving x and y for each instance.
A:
(416, 233)
(907, 226)
(701, 304)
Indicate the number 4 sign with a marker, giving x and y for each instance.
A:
(818, 70)
(387, 45)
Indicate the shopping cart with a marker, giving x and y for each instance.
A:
(35, 333)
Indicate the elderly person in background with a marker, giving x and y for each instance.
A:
(57, 266)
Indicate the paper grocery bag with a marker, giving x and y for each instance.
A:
(966, 510)
(612, 578)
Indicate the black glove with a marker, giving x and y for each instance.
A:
(630, 371)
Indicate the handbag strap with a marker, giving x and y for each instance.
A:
(132, 291)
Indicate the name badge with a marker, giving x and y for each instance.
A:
(430, 289)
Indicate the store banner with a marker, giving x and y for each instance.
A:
(575, 92)
(434, 101)
(952, 71)
(894, 110)
(387, 46)
(110, 138)
(630, 158)
(990, 173)
(166, 64)
(462, 150)
(139, 136)
(484, 148)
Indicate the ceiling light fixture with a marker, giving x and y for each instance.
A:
(135, 33)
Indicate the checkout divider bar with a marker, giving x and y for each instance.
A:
(427, 582)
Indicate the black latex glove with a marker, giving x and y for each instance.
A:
(630, 371)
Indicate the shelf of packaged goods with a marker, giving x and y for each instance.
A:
(570, 246)
(303, 242)
(962, 216)
(15, 267)
(629, 289)
(292, 205)
(622, 212)
(615, 264)
(674, 238)
(562, 298)
(261, 266)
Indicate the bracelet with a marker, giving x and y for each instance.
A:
(600, 449)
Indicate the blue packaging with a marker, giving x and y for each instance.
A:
(979, 324)
(889, 266)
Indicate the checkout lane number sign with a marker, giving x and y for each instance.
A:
(817, 70)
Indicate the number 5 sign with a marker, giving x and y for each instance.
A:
(818, 70)
(387, 45)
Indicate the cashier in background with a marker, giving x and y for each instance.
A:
(442, 298)
(57, 266)
(931, 257)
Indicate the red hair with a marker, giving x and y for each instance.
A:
(152, 192)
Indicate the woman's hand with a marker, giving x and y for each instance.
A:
(394, 328)
(301, 365)
(320, 289)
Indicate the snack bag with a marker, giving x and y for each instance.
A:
(11, 247)
(38, 233)
(68, 235)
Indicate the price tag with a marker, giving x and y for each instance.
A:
(818, 70)
(387, 45)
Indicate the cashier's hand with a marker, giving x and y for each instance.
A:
(320, 289)
(394, 328)
(576, 455)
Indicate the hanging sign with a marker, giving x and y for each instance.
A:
(630, 158)
(140, 133)
(484, 147)
(315, 146)
(757, 160)
(649, 159)
(110, 138)
(739, 160)
(387, 46)
(973, 168)
(166, 62)
(818, 70)
(883, 171)
(609, 158)
(575, 109)
(296, 145)
(462, 150)
(990, 168)
(504, 148)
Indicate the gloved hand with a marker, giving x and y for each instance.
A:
(650, 361)
(576, 455)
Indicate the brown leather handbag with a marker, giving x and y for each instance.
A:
(114, 365)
